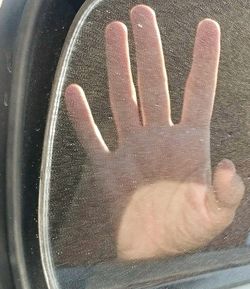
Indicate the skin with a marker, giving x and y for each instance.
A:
(163, 198)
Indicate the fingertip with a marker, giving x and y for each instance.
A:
(224, 173)
(229, 188)
(116, 34)
(228, 185)
(208, 33)
(115, 27)
(72, 90)
(209, 24)
(141, 11)
(226, 164)
(74, 96)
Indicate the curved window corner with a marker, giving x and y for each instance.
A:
(32, 34)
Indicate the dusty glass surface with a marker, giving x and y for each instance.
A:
(147, 185)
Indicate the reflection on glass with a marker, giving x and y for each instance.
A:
(130, 182)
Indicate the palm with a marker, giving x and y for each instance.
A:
(158, 181)
(179, 153)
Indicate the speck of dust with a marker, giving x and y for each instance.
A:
(139, 25)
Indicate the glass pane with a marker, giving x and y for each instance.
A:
(136, 178)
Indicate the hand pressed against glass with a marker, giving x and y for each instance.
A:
(158, 181)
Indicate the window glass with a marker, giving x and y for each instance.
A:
(145, 172)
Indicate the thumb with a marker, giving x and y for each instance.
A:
(228, 186)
